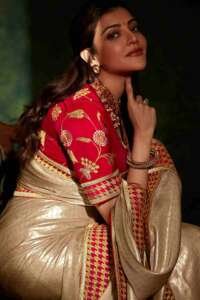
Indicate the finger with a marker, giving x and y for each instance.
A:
(139, 99)
(146, 101)
(129, 89)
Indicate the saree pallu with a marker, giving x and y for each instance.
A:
(54, 246)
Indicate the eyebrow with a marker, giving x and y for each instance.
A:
(117, 25)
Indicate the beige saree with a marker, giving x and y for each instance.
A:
(55, 246)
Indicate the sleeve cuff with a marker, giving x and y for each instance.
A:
(102, 189)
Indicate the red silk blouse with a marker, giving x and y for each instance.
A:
(82, 133)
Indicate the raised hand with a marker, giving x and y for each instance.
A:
(142, 116)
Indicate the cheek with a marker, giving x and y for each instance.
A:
(111, 53)
(143, 41)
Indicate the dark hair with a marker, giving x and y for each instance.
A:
(81, 36)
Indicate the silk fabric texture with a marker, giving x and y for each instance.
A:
(45, 230)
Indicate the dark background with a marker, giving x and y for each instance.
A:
(170, 81)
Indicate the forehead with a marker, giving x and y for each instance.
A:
(117, 16)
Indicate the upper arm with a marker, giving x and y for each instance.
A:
(85, 138)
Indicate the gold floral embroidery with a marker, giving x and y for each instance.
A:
(81, 93)
(88, 167)
(109, 157)
(100, 138)
(83, 139)
(66, 138)
(77, 114)
(42, 136)
(72, 156)
(99, 116)
(56, 111)
(112, 105)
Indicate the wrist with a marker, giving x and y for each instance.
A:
(140, 149)
(142, 138)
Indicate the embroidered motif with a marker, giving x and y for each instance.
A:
(89, 167)
(66, 138)
(42, 136)
(98, 263)
(83, 139)
(77, 114)
(100, 138)
(56, 111)
(99, 116)
(109, 157)
(81, 93)
(111, 105)
(72, 156)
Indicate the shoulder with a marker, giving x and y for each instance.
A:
(86, 96)
(80, 111)
(84, 99)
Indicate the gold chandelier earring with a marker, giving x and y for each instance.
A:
(96, 68)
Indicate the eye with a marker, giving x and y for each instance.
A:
(113, 35)
(134, 27)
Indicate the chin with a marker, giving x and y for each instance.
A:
(139, 66)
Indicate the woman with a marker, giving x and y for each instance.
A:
(91, 217)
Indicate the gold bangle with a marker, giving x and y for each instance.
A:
(144, 164)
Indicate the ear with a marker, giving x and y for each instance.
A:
(85, 55)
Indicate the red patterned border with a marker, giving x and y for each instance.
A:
(98, 192)
(138, 205)
(165, 159)
(98, 262)
(121, 281)
(168, 294)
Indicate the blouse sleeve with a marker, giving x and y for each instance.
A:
(85, 138)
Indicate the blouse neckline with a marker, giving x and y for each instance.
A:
(111, 105)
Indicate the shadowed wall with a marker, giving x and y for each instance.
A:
(15, 67)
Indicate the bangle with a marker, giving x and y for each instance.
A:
(144, 164)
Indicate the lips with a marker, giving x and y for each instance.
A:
(135, 52)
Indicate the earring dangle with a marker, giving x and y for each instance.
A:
(96, 69)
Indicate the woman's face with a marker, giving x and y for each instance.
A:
(120, 47)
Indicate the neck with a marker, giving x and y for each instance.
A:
(114, 83)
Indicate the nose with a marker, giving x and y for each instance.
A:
(132, 37)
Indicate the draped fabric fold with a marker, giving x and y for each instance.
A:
(164, 240)
(54, 246)
(164, 274)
